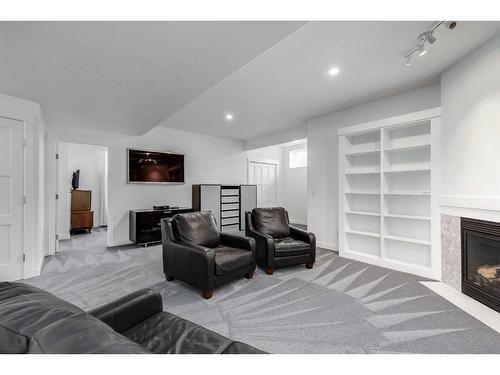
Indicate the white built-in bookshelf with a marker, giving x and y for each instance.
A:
(389, 181)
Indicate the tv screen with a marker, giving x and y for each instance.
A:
(155, 167)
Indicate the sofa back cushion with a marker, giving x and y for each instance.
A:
(24, 310)
(272, 221)
(197, 227)
(82, 334)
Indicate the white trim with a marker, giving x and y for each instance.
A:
(263, 161)
(125, 242)
(327, 246)
(396, 120)
(300, 222)
(475, 207)
(472, 307)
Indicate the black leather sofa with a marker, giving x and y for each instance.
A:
(195, 252)
(277, 243)
(35, 321)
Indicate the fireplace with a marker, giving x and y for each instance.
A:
(481, 261)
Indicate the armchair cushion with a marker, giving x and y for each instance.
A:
(288, 246)
(229, 259)
(272, 221)
(197, 227)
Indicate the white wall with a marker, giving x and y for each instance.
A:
(322, 174)
(471, 129)
(208, 159)
(293, 188)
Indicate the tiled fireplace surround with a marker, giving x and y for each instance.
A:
(451, 251)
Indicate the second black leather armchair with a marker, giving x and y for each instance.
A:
(195, 252)
(277, 243)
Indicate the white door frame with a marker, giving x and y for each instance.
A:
(54, 165)
(265, 161)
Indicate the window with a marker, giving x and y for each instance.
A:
(297, 158)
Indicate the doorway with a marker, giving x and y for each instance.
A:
(81, 191)
(265, 176)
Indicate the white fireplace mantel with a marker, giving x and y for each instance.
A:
(474, 207)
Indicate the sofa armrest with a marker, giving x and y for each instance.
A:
(128, 311)
(307, 237)
(247, 243)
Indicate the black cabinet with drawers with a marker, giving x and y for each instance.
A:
(145, 225)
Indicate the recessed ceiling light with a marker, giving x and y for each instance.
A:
(334, 71)
(229, 116)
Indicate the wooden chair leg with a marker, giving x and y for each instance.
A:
(170, 278)
(207, 294)
(249, 275)
(270, 270)
(309, 265)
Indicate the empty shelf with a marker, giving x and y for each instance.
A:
(401, 192)
(408, 168)
(363, 171)
(408, 147)
(369, 234)
(409, 240)
(363, 192)
(362, 213)
(366, 152)
(410, 217)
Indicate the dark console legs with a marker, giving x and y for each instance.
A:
(249, 275)
(270, 270)
(169, 278)
(207, 294)
(309, 265)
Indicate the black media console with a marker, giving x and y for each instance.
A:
(145, 227)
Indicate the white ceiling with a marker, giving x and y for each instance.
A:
(128, 77)
(289, 83)
(124, 77)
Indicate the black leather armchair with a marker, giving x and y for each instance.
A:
(195, 252)
(277, 243)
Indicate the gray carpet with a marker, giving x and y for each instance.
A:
(341, 306)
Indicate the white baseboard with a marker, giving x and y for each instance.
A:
(300, 222)
(35, 271)
(122, 243)
(327, 245)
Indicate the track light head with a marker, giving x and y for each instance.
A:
(421, 50)
(408, 60)
(429, 36)
(450, 24)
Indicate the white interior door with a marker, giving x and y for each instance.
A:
(265, 176)
(12, 199)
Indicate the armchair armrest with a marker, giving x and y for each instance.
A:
(307, 237)
(190, 262)
(302, 235)
(264, 246)
(247, 243)
(128, 311)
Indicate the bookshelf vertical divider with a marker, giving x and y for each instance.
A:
(389, 183)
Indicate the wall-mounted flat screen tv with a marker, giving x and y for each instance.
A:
(154, 167)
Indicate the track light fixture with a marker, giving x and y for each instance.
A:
(426, 37)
